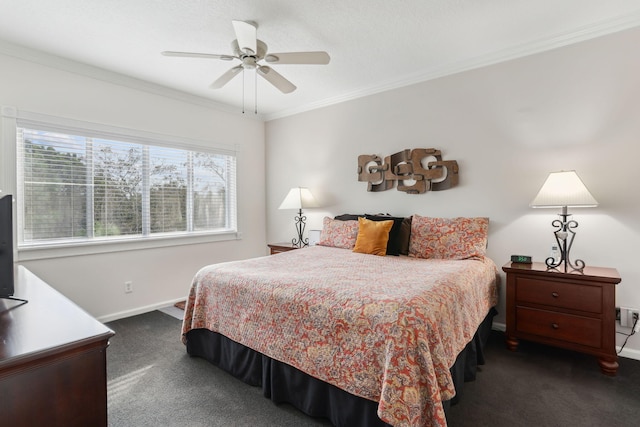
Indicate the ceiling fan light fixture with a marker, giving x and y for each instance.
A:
(249, 63)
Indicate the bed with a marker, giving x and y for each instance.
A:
(357, 338)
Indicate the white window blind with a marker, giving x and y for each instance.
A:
(76, 186)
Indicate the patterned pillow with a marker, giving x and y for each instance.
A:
(338, 234)
(448, 238)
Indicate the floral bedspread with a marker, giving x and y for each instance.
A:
(383, 328)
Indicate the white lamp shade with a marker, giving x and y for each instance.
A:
(563, 188)
(299, 198)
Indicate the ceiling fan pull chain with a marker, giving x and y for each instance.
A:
(243, 91)
(255, 95)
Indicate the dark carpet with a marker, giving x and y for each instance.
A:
(153, 382)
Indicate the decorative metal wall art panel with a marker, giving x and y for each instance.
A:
(416, 171)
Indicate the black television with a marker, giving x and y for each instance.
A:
(6, 247)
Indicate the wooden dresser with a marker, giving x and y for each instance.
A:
(52, 359)
(572, 310)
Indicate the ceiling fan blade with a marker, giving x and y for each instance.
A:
(319, 58)
(226, 77)
(198, 55)
(276, 79)
(246, 34)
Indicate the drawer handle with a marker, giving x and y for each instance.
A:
(555, 326)
(554, 294)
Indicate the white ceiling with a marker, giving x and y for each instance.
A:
(374, 45)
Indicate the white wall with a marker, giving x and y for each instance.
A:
(96, 282)
(508, 126)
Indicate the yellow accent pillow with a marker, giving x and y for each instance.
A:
(373, 236)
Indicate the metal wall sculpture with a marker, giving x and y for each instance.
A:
(423, 166)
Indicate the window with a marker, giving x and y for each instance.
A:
(78, 186)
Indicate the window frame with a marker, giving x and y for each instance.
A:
(13, 118)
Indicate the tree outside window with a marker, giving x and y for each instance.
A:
(81, 188)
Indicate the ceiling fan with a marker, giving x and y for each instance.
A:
(251, 51)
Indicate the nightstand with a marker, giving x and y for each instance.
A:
(574, 310)
(277, 248)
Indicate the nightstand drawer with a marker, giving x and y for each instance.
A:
(559, 294)
(560, 326)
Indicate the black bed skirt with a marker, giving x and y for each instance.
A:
(283, 383)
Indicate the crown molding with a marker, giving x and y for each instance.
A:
(577, 35)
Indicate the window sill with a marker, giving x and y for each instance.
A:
(30, 253)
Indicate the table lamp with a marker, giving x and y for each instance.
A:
(299, 198)
(562, 190)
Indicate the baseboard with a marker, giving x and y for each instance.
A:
(138, 310)
(496, 326)
(628, 353)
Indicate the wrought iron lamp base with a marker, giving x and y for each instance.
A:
(300, 241)
(564, 237)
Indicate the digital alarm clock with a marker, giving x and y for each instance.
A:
(521, 259)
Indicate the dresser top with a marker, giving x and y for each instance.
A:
(48, 323)
(600, 274)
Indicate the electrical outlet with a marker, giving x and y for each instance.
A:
(128, 287)
(628, 317)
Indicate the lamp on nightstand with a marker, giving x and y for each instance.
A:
(299, 198)
(561, 190)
